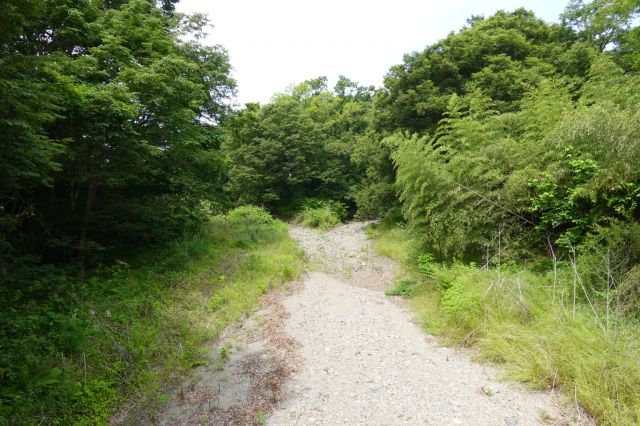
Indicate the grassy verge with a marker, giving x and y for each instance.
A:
(527, 322)
(73, 352)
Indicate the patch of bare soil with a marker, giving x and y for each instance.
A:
(242, 381)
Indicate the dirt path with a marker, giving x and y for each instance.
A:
(332, 350)
(365, 362)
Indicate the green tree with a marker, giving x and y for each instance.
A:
(299, 146)
(119, 114)
(273, 154)
(505, 51)
(603, 23)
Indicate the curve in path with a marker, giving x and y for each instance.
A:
(365, 362)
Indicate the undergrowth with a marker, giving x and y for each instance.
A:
(526, 321)
(322, 214)
(73, 352)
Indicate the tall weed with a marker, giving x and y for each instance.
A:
(322, 214)
(526, 321)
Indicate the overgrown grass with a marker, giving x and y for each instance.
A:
(320, 217)
(393, 242)
(73, 352)
(527, 322)
(321, 214)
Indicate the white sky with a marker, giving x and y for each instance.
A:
(276, 43)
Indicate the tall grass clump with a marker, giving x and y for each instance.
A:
(549, 328)
(392, 241)
(322, 214)
(74, 351)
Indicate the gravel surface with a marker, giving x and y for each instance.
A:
(345, 253)
(365, 362)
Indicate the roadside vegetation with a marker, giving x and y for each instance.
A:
(519, 231)
(85, 349)
(548, 329)
(506, 155)
(322, 214)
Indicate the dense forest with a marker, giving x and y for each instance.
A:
(510, 147)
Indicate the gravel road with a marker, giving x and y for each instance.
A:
(365, 362)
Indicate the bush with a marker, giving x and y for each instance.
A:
(340, 210)
(249, 216)
(252, 224)
(614, 250)
(376, 200)
(322, 214)
(462, 303)
(318, 218)
(425, 264)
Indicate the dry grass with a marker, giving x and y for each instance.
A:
(526, 322)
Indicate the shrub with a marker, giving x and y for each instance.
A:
(318, 218)
(249, 216)
(425, 264)
(252, 225)
(322, 214)
(340, 210)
